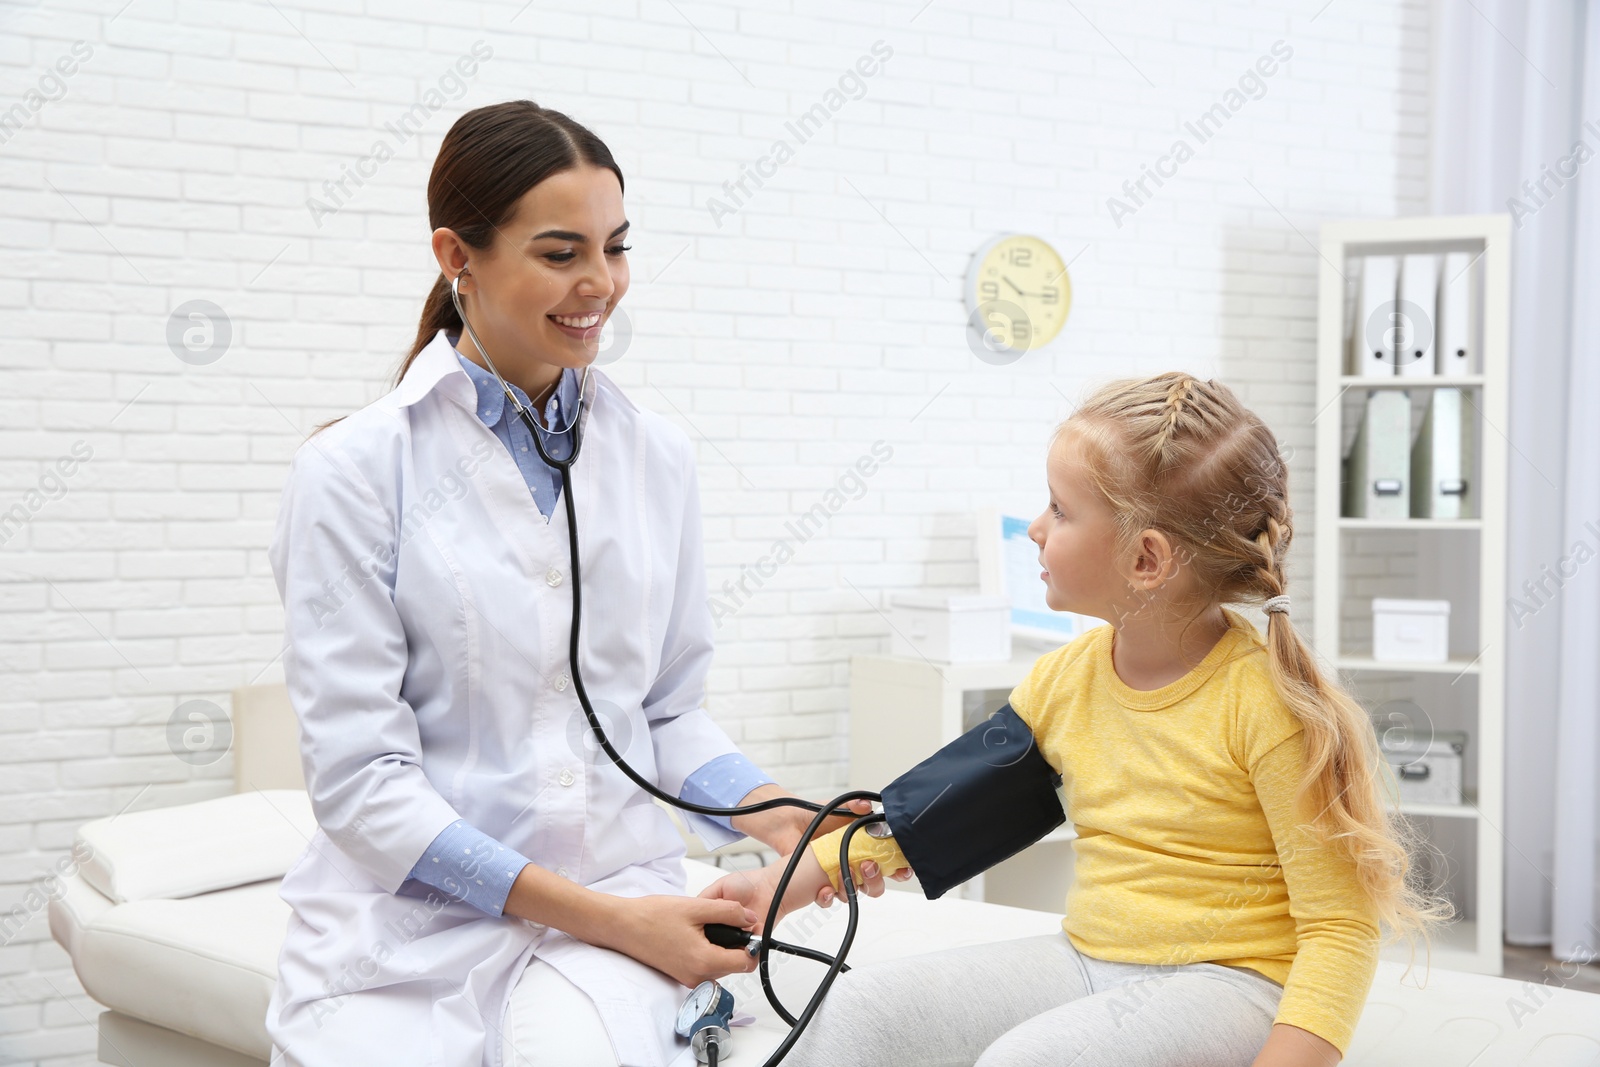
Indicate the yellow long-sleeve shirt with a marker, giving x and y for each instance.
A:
(1189, 846)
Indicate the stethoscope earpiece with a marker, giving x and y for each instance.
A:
(565, 466)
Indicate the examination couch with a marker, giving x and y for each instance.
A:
(173, 923)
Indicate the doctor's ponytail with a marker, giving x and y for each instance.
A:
(490, 157)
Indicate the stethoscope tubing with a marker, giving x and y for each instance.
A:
(821, 811)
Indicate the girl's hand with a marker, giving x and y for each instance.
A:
(754, 889)
(871, 880)
(668, 933)
(871, 883)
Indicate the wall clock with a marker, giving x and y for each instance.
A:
(1017, 294)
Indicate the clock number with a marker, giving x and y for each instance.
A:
(1051, 294)
(989, 290)
(1021, 256)
(1021, 334)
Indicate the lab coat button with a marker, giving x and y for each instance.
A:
(562, 682)
(567, 777)
(553, 577)
(562, 871)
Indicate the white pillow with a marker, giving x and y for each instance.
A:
(169, 853)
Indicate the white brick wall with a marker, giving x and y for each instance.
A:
(824, 315)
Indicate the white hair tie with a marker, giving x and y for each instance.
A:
(1277, 603)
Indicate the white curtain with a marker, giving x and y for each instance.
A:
(1516, 128)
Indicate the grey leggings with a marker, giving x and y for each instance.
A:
(1039, 1002)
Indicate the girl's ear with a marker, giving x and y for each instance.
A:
(1155, 561)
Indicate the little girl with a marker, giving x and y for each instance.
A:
(1234, 855)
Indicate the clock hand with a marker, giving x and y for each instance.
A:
(1013, 285)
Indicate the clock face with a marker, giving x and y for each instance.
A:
(1018, 291)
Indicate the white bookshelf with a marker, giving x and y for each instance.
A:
(1462, 560)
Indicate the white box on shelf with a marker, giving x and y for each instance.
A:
(1410, 630)
(951, 627)
(1426, 770)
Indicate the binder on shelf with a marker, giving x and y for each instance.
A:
(1459, 335)
(1442, 459)
(1377, 470)
(1416, 307)
(1373, 340)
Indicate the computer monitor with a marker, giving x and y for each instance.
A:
(1008, 566)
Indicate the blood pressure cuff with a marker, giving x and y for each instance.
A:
(981, 799)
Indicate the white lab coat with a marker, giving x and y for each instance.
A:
(427, 607)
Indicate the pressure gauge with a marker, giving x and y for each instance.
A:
(704, 1019)
(699, 1002)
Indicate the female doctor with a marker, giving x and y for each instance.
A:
(472, 840)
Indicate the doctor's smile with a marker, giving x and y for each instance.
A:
(541, 303)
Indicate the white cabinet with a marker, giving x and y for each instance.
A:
(903, 710)
(1461, 560)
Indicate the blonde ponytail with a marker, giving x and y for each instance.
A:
(1183, 455)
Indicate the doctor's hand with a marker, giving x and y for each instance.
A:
(754, 889)
(668, 933)
(782, 828)
(664, 932)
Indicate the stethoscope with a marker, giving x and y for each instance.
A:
(705, 1014)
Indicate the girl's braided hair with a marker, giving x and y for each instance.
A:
(1182, 455)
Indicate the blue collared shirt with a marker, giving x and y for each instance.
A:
(543, 481)
(463, 861)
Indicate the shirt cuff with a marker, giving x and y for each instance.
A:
(468, 865)
(720, 783)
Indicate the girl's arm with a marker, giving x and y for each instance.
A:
(1290, 1046)
(1336, 926)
